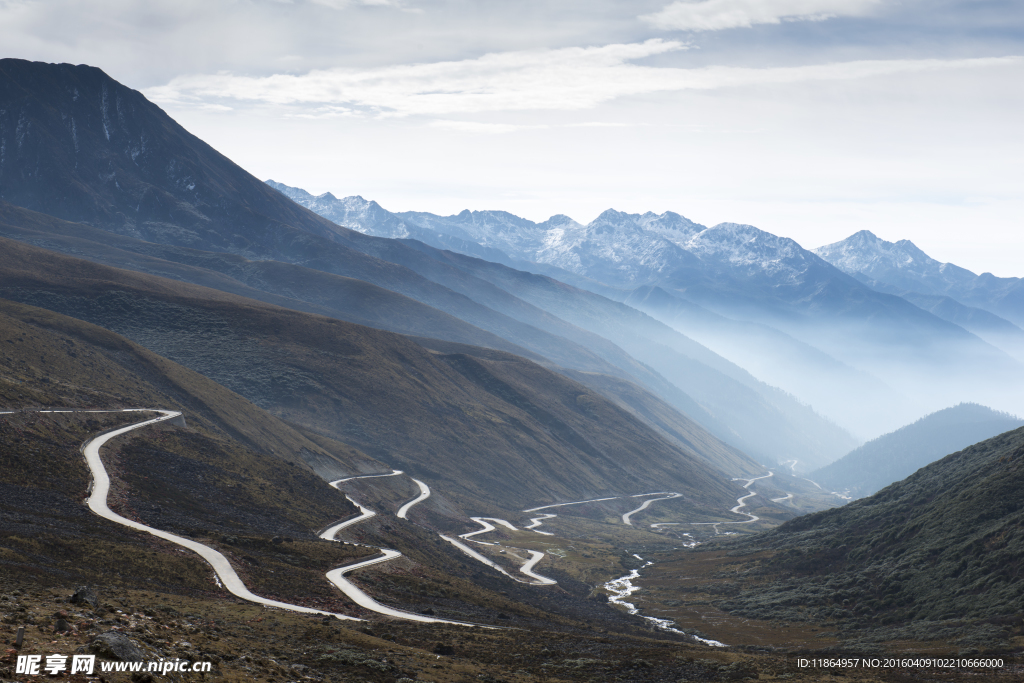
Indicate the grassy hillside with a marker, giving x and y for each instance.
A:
(896, 455)
(235, 470)
(51, 360)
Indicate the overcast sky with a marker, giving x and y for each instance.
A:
(807, 118)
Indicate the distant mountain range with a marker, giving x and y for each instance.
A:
(867, 358)
(897, 455)
(902, 265)
(991, 307)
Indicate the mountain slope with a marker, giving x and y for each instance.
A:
(897, 455)
(935, 556)
(82, 147)
(762, 420)
(496, 429)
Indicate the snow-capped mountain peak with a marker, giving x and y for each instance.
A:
(627, 248)
(864, 252)
(752, 249)
(559, 220)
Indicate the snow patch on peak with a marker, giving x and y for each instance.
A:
(863, 252)
(751, 248)
(560, 220)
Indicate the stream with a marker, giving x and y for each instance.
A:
(623, 587)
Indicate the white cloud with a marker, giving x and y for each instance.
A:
(492, 128)
(481, 127)
(568, 78)
(715, 15)
(563, 79)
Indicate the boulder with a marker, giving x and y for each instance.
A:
(116, 645)
(85, 596)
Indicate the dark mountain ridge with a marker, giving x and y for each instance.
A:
(181, 193)
(494, 429)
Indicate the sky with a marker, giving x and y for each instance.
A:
(810, 119)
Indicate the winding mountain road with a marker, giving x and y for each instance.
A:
(225, 573)
(485, 523)
(364, 514)
(97, 502)
(667, 496)
(527, 569)
(424, 494)
(741, 503)
(537, 521)
(356, 594)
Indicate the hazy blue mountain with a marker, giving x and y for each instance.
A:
(902, 265)
(809, 314)
(764, 421)
(997, 331)
(831, 386)
(897, 455)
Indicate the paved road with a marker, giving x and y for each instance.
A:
(527, 569)
(484, 522)
(536, 522)
(424, 494)
(535, 557)
(97, 502)
(741, 503)
(575, 502)
(364, 514)
(356, 594)
(666, 494)
(392, 473)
